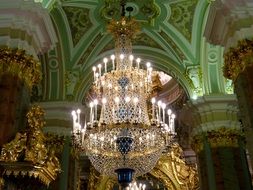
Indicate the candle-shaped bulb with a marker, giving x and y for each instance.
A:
(91, 104)
(173, 116)
(73, 113)
(159, 103)
(138, 60)
(131, 57)
(163, 105)
(148, 64)
(169, 111)
(152, 100)
(99, 68)
(113, 64)
(94, 68)
(105, 60)
(112, 57)
(78, 111)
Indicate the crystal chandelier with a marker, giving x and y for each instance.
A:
(121, 137)
(135, 186)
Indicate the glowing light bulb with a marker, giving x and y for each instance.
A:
(169, 111)
(159, 103)
(105, 60)
(73, 113)
(112, 57)
(131, 57)
(152, 100)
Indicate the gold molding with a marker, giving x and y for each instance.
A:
(18, 63)
(222, 137)
(237, 59)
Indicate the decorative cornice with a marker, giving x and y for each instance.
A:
(18, 63)
(222, 137)
(229, 21)
(210, 112)
(31, 18)
(238, 58)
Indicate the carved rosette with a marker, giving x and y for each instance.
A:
(237, 59)
(222, 137)
(18, 63)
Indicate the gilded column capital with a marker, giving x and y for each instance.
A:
(237, 59)
(16, 62)
(222, 137)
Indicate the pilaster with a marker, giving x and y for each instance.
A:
(217, 139)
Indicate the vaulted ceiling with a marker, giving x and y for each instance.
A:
(170, 38)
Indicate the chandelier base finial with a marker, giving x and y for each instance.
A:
(125, 176)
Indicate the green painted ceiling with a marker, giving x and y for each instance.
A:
(170, 38)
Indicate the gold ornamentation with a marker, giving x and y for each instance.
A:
(39, 151)
(127, 27)
(172, 170)
(17, 63)
(222, 137)
(98, 181)
(237, 59)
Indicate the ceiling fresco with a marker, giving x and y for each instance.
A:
(170, 38)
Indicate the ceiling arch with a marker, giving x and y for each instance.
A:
(170, 37)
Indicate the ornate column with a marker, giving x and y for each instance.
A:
(217, 139)
(26, 31)
(18, 73)
(239, 68)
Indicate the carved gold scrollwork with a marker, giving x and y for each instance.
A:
(18, 63)
(238, 58)
(222, 137)
(32, 153)
(174, 172)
